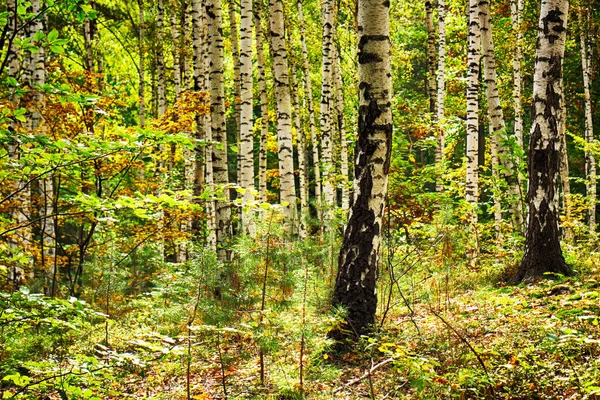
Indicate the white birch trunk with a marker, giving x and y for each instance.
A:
(431, 64)
(284, 113)
(160, 59)
(142, 67)
(176, 54)
(441, 91)
(218, 155)
(246, 150)
(326, 117)
(542, 246)
(516, 7)
(472, 181)
(496, 118)
(339, 101)
(310, 109)
(264, 105)
(590, 160)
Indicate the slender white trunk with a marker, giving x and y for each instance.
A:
(309, 107)
(246, 150)
(472, 183)
(176, 54)
(235, 53)
(339, 101)
(496, 118)
(329, 198)
(186, 78)
(281, 81)
(199, 46)
(142, 68)
(300, 145)
(431, 60)
(516, 7)
(160, 59)
(441, 90)
(590, 160)
(496, 185)
(218, 130)
(264, 105)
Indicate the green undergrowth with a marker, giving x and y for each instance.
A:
(448, 328)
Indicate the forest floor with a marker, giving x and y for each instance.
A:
(451, 336)
(540, 341)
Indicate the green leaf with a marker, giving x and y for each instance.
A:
(57, 49)
(53, 35)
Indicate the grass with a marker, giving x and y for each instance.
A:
(450, 331)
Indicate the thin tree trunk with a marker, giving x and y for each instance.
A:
(355, 288)
(472, 184)
(160, 60)
(339, 101)
(284, 113)
(516, 7)
(431, 60)
(264, 104)
(176, 54)
(246, 151)
(142, 68)
(590, 160)
(223, 227)
(542, 246)
(496, 118)
(235, 53)
(441, 91)
(326, 117)
(310, 109)
(496, 185)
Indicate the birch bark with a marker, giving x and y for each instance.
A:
(218, 155)
(590, 160)
(160, 59)
(264, 104)
(246, 151)
(326, 117)
(310, 109)
(496, 118)
(472, 181)
(355, 287)
(441, 90)
(542, 246)
(284, 114)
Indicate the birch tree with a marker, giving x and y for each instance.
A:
(246, 151)
(516, 12)
(542, 246)
(496, 118)
(264, 103)
(218, 155)
(590, 160)
(160, 59)
(472, 182)
(281, 82)
(308, 98)
(326, 117)
(441, 89)
(431, 65)
(141, 67)
(359, 254)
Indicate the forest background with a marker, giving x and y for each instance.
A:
(176, 179)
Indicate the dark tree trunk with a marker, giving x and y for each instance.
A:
(542, 247)
(355, 288)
